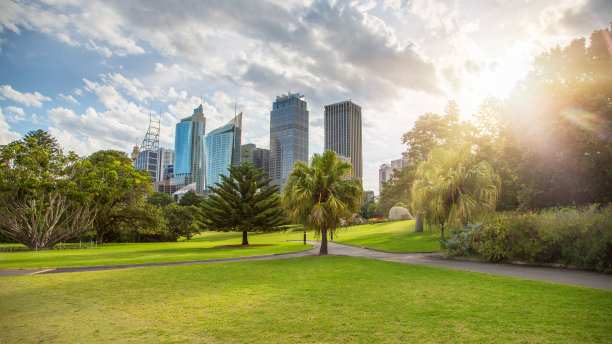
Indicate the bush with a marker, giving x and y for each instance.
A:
(578, 237)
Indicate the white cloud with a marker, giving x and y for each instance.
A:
(27, 99)
(68, 98)
(6, 135)
(17, 113)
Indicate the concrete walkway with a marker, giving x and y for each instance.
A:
(557, 275)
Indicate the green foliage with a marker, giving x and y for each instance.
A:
(451, 187)
(190, 199)
(243, 202)
(397, 189)
(118, 190)
(182, 221)
(582, 238)
(160, 199)
(319, 196)
(41, 201)
(369, 210)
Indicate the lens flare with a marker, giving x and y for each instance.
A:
(590, 122)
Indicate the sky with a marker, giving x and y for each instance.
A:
(92, 72)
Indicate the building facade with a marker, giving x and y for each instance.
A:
(165, 163)
(189, 150)
(259, 157)
(368, 196)
(288, 135)
(343, 133)
(222, 147)
(386, 171)
(148, 160)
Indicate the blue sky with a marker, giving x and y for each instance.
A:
(91, 72)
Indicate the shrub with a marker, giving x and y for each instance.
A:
(578, 237)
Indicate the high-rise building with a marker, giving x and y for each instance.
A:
(222, 150)
(343, 133)
(148, 157)
(189, 150)
(386, 171)
(288, 135)
(165, 162)
(368, 196)
(259, 157)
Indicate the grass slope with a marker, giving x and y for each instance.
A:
(306, 300)
(391, 237)
(201, 247)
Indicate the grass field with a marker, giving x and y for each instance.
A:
(201, 247)
(391, 237)
(305, 300)
(388, 236)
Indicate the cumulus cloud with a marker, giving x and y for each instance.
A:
(6, 135)
(27, 99)
(17, 113)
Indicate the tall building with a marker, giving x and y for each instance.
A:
(189, 150)
(368, 196)
(165, 162)
(343, 133)
(288, 135)
(259, 157)
(222, 150)
(386, 171)
(148, 157)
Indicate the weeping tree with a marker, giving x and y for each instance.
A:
(451, 189)
(320, 195)
(243, 202)
(41, 203)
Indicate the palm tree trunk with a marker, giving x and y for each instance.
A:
(418, 226)
(323, 250)
(245, 240)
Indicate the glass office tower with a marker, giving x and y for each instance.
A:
(189, 150)
(288, 135)
(343, 133)
(222, 147)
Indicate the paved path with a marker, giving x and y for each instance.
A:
(558, 275)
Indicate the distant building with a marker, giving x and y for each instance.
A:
(386, 171)
(165, 163)
(222, 150)
(148, 157)
(135, 152)
(343, 133)
(189, 151)
(288, 135)
(369, 196)
(259, 157)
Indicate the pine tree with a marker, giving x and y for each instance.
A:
(242, 203)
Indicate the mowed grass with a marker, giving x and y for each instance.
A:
(304, 300)
(203, 246)
(391, 237)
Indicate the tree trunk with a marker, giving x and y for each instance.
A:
(418, 226)
(323, 250)
(442, 230)
(331, 235)
(245, 240)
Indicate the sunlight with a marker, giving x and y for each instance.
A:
(588, 121)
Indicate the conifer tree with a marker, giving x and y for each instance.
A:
(243, 202)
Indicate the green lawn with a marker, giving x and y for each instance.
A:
(391, 237)
(305, 300)
(201, 247)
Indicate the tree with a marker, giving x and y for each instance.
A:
(451, 188)
(319, 196)
(160, 199)
(41, 203)
(118, 190)
(43, 139)
(242, 203)
(190, 198)
(181, 220)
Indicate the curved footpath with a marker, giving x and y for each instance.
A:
(550, 274)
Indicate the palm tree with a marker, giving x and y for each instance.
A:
(319, 196)
(450, 188)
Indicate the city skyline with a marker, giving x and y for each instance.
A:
(112, 63)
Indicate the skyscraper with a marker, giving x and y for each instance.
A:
(165, 161)
(259, 157)
(222, 150)
(343, 133)
(189, 150)
(288, 135)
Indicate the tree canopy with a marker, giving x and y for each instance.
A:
(320, 195)
(243, 202)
